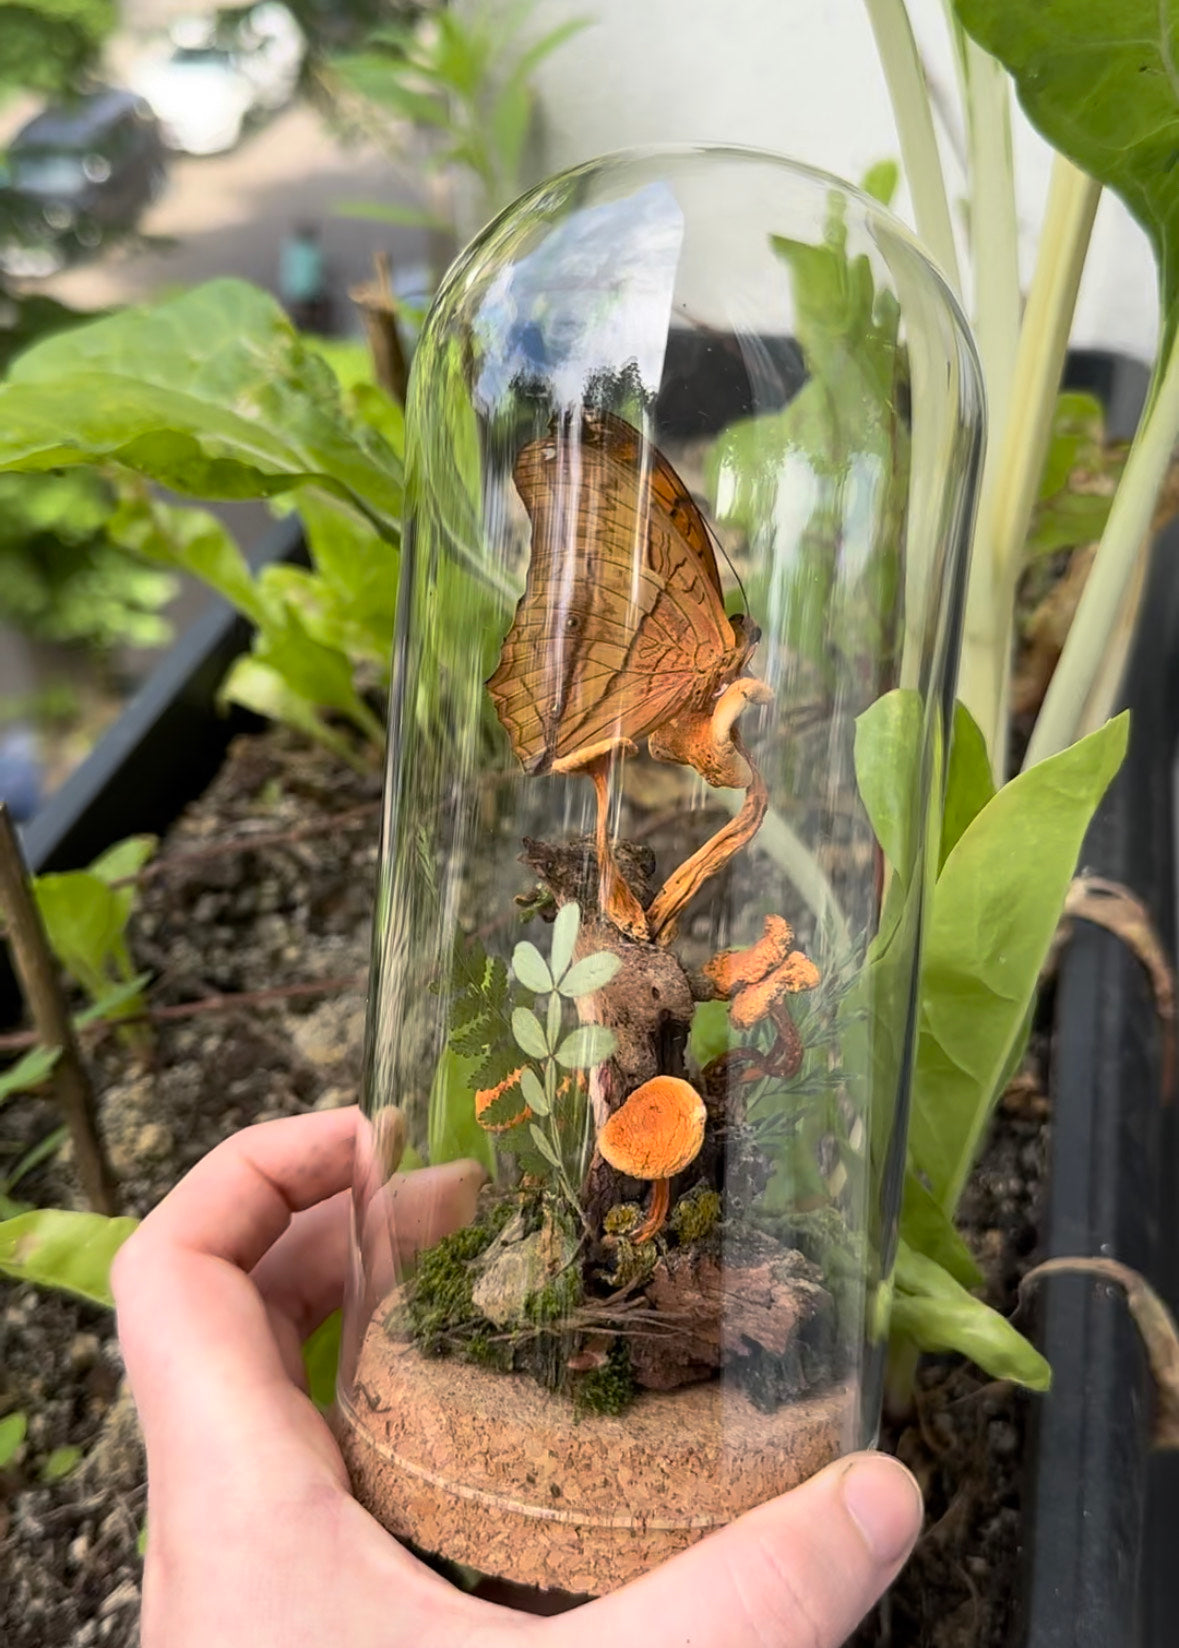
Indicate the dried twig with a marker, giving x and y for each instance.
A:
(1154, 1321)
(247, 842)
(37, 971)
(20, 1041)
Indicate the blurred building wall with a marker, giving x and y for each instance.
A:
(800, 77)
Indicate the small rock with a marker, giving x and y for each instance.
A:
(125, 1595)
(78, 1550)
(84, 1351)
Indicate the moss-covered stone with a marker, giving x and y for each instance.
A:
(609, 1389)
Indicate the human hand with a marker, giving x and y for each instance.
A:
(254, 1540)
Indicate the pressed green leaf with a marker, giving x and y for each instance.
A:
(969, 784)
(995, 909)
(452, 1130)
(58, 1248)
(888, 741)
(709, 1036)
(531, 969)
(938, 1314)
(321, 1358)
(529, 1033)
(554, 1020)
(542, 1144)
(60, 1463)
(586, 1046)
(28, 1072)
(589, 974)
(564, 937)
(211, 393)
(533, 1090)
(14, 1427)
(1097, 78)
(927, 1230)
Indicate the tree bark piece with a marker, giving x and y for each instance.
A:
(37, 972)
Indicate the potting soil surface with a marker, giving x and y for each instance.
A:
(219, 921)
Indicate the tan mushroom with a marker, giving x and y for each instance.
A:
(730, 969)
(655, 1135)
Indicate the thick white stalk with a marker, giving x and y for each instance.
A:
(1123, 544)
(1011, 482)
(994, 235)
(922, 162)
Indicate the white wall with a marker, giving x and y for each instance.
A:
(800, 77)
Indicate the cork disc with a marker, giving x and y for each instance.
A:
(491, 1470)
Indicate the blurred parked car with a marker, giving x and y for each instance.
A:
(76, 174)
(218, 74)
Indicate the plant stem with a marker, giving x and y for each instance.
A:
(1010, 485)
(994, 239)
(1123, 544)
(909, 95)
(37, 972)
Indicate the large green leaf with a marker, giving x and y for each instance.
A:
(56, 1248)
(1098, 79)
(84, 921)
(995, 908)
(453, 1131)
(969, 785)
(937, 1313)
(212, 393)
(888, 742)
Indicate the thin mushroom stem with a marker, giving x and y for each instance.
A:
(656, 1213)
(683, 884)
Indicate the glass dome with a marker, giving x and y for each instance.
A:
(693, 439)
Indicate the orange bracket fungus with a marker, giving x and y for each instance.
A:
(655, 1135)
(758, 981)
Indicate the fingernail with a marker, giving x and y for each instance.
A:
(885, 1504)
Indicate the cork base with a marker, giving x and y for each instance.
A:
(490, 1470)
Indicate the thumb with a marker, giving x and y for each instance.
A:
(800, 1572)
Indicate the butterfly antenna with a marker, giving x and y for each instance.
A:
(724, 555)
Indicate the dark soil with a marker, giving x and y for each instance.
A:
(248, 919)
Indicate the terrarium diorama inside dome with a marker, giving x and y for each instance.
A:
(640, 948)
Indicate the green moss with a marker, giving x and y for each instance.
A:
(633, 1261)
(609, 1389)
(440, 1294)
(696, 1215)
(556, 1301)
(622, 1219)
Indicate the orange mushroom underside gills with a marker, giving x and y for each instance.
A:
(732, 968)
(754, 1001)
(654, 1135)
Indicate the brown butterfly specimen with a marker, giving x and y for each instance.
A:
(621, 632)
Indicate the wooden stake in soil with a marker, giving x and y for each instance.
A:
(37, 972)
(378, 310)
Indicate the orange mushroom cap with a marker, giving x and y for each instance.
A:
(486, 1097)
(730, 969)
(754, 1001)
(657, 1132)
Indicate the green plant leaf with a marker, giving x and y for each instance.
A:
(192, 541)
(111, 1004)
(529, 1033)
(995, 909)
(125, 859)
(1068, 522)
(928, 1230)
(60, 1463)
(321, 1358)
(531, 969)
(452, 1130)
(969, 784)
(33, 1157)
(212, 393)
(28, 1072)
(377, 211)
(880, 181)
(888, 737)
(586, 1046)
(938, 1314)
(543, 1145)
(589, 974)
(564, 937)
(1097, 79)
(14, 1427)
(84, 921)
(532, 1088)
(709, 1035)
(57, 1248)
(260, 687)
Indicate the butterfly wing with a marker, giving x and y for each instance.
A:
(622, 620)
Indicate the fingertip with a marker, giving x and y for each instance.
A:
(884, 1502)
